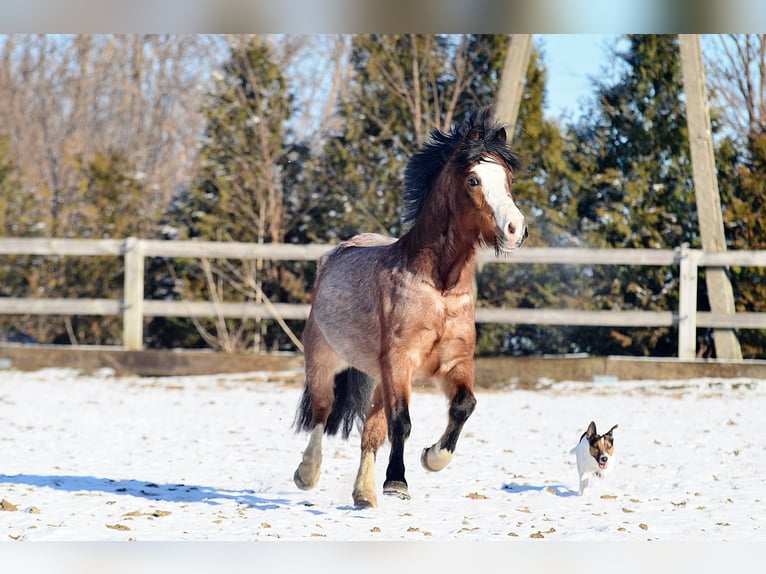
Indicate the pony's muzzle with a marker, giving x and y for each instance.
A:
(514, 235)
(519, 232)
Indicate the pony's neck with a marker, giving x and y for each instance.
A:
(440, 246)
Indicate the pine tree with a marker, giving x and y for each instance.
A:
(12, 222)
(9, 190)
(543, 193)
(402, 88)
(238, 195)
(247, 189)
(742, 182)
(406, 86)
(637, 189)
(110, 206)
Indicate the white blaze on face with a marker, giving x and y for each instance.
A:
(511, 224)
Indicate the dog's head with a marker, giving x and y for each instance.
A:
(601, 445)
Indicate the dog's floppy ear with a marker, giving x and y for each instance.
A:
(609, 432)
(591, 432)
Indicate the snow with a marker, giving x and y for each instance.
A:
(98, 457)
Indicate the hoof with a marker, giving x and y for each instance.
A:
(362, 500)
(435, 459)
(304, 484)
(362, 503)
(396, 488)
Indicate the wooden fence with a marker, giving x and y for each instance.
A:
(133, 307)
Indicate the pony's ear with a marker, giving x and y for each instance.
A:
(501, 135)
(474, 135)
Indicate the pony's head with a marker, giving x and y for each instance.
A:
(475, 166)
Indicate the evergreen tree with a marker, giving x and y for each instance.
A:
(237, 195)
(637, 150)
(8, 187)
(17, 204)
(111, 199)
(543, 192)
(637, 189)
(402, 88)
(406, 86)
(248, 189)
(737, 67)
(110, 206)
(742, 183)
(14, 221)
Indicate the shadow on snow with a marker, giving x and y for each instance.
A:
(149, 490)
(557, 489)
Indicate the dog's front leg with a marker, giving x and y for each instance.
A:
(583, 483)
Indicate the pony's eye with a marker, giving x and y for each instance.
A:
(473, 181)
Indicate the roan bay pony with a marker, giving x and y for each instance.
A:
(388, 312)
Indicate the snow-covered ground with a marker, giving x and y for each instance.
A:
(96, 457)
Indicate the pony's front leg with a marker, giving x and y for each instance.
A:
(462, 404)
(399, 431)
(373, 435)
(396, 387)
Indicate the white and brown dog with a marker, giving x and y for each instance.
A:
(595, 454)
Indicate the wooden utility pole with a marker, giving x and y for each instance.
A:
(512, 81)
(719, 289)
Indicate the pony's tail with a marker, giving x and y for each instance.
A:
(353, 390)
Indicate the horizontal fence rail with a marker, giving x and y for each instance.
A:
(133, 307)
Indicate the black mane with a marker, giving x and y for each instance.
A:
(465, 144)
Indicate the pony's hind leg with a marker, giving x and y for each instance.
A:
(462, 404)
(373, 436)
(313, 412)
(322, 364)
(307, 474)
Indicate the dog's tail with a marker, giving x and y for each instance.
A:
(574, 449)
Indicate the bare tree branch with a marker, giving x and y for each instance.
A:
(737, 64)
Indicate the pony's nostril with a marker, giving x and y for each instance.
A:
(511, 229)
(525, 234)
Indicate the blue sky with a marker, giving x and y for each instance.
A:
(572, 60)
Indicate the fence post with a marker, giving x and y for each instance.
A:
(133, 302)
(687, 303)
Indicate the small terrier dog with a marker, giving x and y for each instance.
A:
(595, 454)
